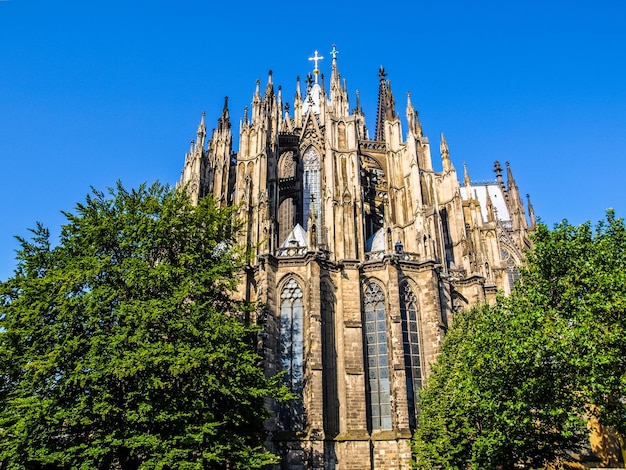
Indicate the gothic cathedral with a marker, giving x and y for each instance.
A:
(363, 253)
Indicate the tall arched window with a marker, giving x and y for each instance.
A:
(329, 360)
(377, 353)
(511, 268)
(311, 186)
(411, 346)
(292, 352)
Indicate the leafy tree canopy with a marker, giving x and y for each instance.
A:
(516, 381)
(121, 345)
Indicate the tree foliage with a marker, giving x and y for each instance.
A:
(122, 345)
(516, 381)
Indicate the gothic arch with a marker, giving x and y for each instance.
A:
(287, 165)
(377, 354)
(250, 169)
(299, 279)
(342, 142)
(511, 263)
(411, 345)
(291, 350)
(310, 145)
(244, 142)
(424, 187)
(330, 380)
(350, 132)
(311, 184)
(241, 169)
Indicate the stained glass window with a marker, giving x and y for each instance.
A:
(411, 346)
(292, 352)
(511, 268)
(377, 354)
(311, 186)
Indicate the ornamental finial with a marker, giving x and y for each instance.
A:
(316, 58)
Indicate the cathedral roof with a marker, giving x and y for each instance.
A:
(297, 237)
(480, 192)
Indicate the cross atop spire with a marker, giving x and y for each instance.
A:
(334, 52)
(316, 58)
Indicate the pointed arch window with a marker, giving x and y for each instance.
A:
(292, 352)
(311, 186)
(329, 360)
(511, 268)
(411, 347)
(377, 355)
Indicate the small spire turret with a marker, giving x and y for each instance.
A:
(531, 213)
(297, 104)
(498, 170)
(257, 91)
(256, 102)
(491, 212)
(201, 130)
(410, 113)
(412, 117)
(466, 178)
(223, 123)
(269, 88)
(445, 153)
(509, 177)
(386, 104)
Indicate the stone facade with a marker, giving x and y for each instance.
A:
(363, 252)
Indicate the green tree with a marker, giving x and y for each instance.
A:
(516, 381)
(122, 345)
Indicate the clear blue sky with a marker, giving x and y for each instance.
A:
(92, 91)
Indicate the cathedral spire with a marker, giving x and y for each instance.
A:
(509, 177)
(498, 169)
(314, 93)
(256, 102)
(223, 123)
(386, 104)
(445, 153)
(382, 105)
(298, 95)
(491, 212)
(201, 130)
(410, 113)
(297, 104)
(269, 89)
(334, 76)
(257, 91)
(280, 108)
(466, 178)
(338, 103)
(531, 213)
(412, 117)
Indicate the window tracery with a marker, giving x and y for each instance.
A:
(292, 352)
(377, 353)
(311, 185)
(411, 347)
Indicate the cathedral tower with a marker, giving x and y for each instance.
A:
(363, 252)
